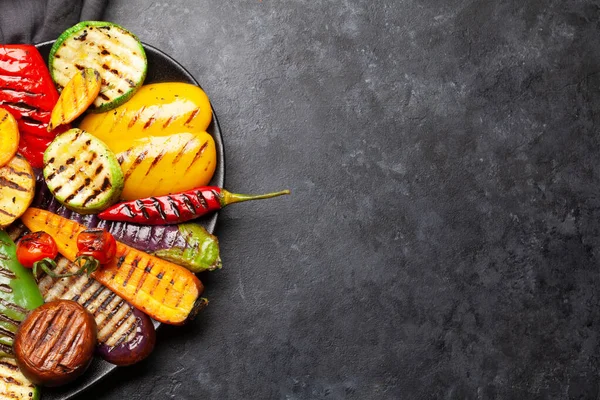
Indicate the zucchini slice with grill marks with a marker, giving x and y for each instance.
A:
(13, 384)
(110, 49)
(81, 172)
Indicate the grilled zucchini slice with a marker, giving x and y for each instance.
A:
(81, 172)
(110, 49)
(13, 384)
(17, 187)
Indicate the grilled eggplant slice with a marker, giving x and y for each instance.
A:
(138, 347)
(17, 188)
(55, 343)
(9, 137)
(76, 97)
(108, 48)
(81, 172)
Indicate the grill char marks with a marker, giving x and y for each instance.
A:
(20, 92)
(82, 37)
(141, 207)
(8, 365)
(184, 149)
(138, 160)
(188, 203)
(5, 288)
(201, 199)
(197, 156)
(158, 207)
(12, 185)
(150, 120)
(192, 116)
(174, 207)
(18, 173)
(21, 105)
(6, 273)
(156, 161)
(8, 214)
(10, 325)
(136, 116)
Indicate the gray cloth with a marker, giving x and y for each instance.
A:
(36, 21)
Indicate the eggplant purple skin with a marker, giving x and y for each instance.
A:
(203, 254)
(135, 350)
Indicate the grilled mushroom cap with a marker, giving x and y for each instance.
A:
(55, 343)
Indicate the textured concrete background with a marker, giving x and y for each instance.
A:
(442, 239)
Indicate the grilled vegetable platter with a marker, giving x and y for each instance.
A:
(111, 176)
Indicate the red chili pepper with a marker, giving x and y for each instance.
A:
(28, 93)
(180, 207)
(96, 247)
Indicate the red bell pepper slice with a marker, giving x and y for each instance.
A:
(28, 93)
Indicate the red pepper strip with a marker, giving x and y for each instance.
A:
(32, 148)
(177, 208)
(28, 93)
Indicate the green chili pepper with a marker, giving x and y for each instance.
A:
(19, 293)
(201, 252)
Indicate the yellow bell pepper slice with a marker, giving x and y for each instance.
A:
(158, 109)
(160, 139)
(160, 165)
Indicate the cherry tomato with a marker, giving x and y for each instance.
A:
(34, 247)
(97, 243)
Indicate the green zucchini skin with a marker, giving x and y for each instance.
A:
(81, 172)
(100, 45)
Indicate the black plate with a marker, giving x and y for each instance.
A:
(161, 68)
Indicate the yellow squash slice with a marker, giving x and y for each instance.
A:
(9, 137)
(76, 97)
(17, 187)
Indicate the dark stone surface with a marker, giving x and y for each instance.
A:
(442, 237)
